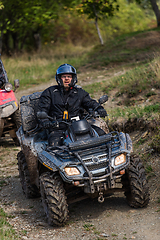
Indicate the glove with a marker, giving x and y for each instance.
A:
(102, 112)
(46, 123)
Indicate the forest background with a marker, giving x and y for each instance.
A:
(29, 25)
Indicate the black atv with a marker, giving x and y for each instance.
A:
(89, 163)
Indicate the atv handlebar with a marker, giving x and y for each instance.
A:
(55, 123)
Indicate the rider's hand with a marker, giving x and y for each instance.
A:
(46, 123)
(102, 112)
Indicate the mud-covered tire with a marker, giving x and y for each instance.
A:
(30, 191)
(17, 118)
(53, 199)
(135, 183)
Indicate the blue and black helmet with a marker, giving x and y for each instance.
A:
(66, 68)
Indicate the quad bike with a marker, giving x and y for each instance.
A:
(89, 163)
(10, 119)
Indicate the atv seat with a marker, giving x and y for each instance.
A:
(28, 108)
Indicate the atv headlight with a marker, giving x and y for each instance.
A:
(120, 159)
(71, 171)
(8, 87)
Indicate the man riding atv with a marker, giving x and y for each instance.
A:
(65, 101)
(71, 157)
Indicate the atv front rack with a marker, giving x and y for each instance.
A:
(79, 145)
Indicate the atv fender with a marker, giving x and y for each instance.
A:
(126, 141)
(99, 122)
(28, 148)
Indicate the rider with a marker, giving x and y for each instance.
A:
(3, 79)
(65, 101)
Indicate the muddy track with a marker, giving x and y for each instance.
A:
(88, 219)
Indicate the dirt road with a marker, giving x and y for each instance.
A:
(113, 219)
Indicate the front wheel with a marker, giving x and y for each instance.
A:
(135, 184)
(53, 199)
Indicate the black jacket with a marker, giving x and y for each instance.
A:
(54, 101)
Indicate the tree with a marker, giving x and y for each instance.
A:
(151, 4)
(156, 11)
(22, 20)
(1, 7)
(98, 9)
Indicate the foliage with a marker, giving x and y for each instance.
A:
(70, 28)
(19, 14)
(129, 18)
(98, 8)
(57, 21)
(22, 19)
(1, 5)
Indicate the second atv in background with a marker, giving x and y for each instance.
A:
(10, 119)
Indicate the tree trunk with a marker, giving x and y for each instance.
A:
(1, 36)
(96, 23)
(156, 11)
(6, 47)
(37, 40)
(23, 41)
(15, 41)
(99, 34)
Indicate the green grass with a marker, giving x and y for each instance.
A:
(148, 112)
(39, 68)
(155, 144)
(6, 230)
(88, 226)
(133, 82)
(118, 50)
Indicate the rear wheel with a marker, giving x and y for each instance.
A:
(17, 121)
(17, 118)
(135, 184)
(1, 126)
(30, 191)
(53, 199)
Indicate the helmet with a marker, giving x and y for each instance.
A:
(66, 68)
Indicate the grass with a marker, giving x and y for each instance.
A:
(33, 69)
(6, 230)
(147, 112)
(133, 82)
(155, 144)
(88, 226)
(120, 49)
